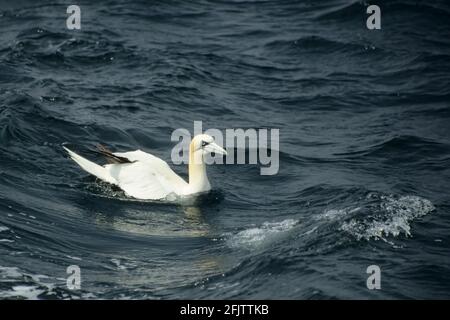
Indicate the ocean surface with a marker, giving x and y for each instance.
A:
(364, 120)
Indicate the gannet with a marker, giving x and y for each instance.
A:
(141, 175)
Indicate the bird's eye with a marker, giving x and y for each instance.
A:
(204, 143)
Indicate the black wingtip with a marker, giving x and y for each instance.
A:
(112, 158)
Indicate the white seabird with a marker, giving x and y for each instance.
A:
(144, 176)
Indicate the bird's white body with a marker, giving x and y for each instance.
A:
(148, 177)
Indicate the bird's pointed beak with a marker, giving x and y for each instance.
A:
(213, 147)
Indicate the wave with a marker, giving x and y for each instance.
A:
(354, 10)
(383, 217)
(377, 217)
(258, 236)
(31, 286)
(341, 12)
(312, 44)
(46, 48)
(408, 148)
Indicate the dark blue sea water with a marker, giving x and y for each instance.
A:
(364, 173)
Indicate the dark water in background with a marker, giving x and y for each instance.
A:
(364, 137)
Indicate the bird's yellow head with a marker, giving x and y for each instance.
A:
(202, 145)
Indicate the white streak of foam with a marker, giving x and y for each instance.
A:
(9, 272)
(25, 292)
(255, 237)
(32, 291)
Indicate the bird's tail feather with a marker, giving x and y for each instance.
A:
(91, 167)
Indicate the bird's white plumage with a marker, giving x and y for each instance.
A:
(148, 177)
(91, 167)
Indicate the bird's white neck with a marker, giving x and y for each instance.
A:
(198, 180)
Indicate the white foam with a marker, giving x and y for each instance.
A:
(255, 237)
(2, 229)
(31, 291)
(335, 214)
(395, 219)
(74, 258)
(9, 272)
(26, 292)
(118, 265)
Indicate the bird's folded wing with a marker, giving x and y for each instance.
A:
(147, 177)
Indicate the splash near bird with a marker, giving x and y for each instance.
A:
(143, 176)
